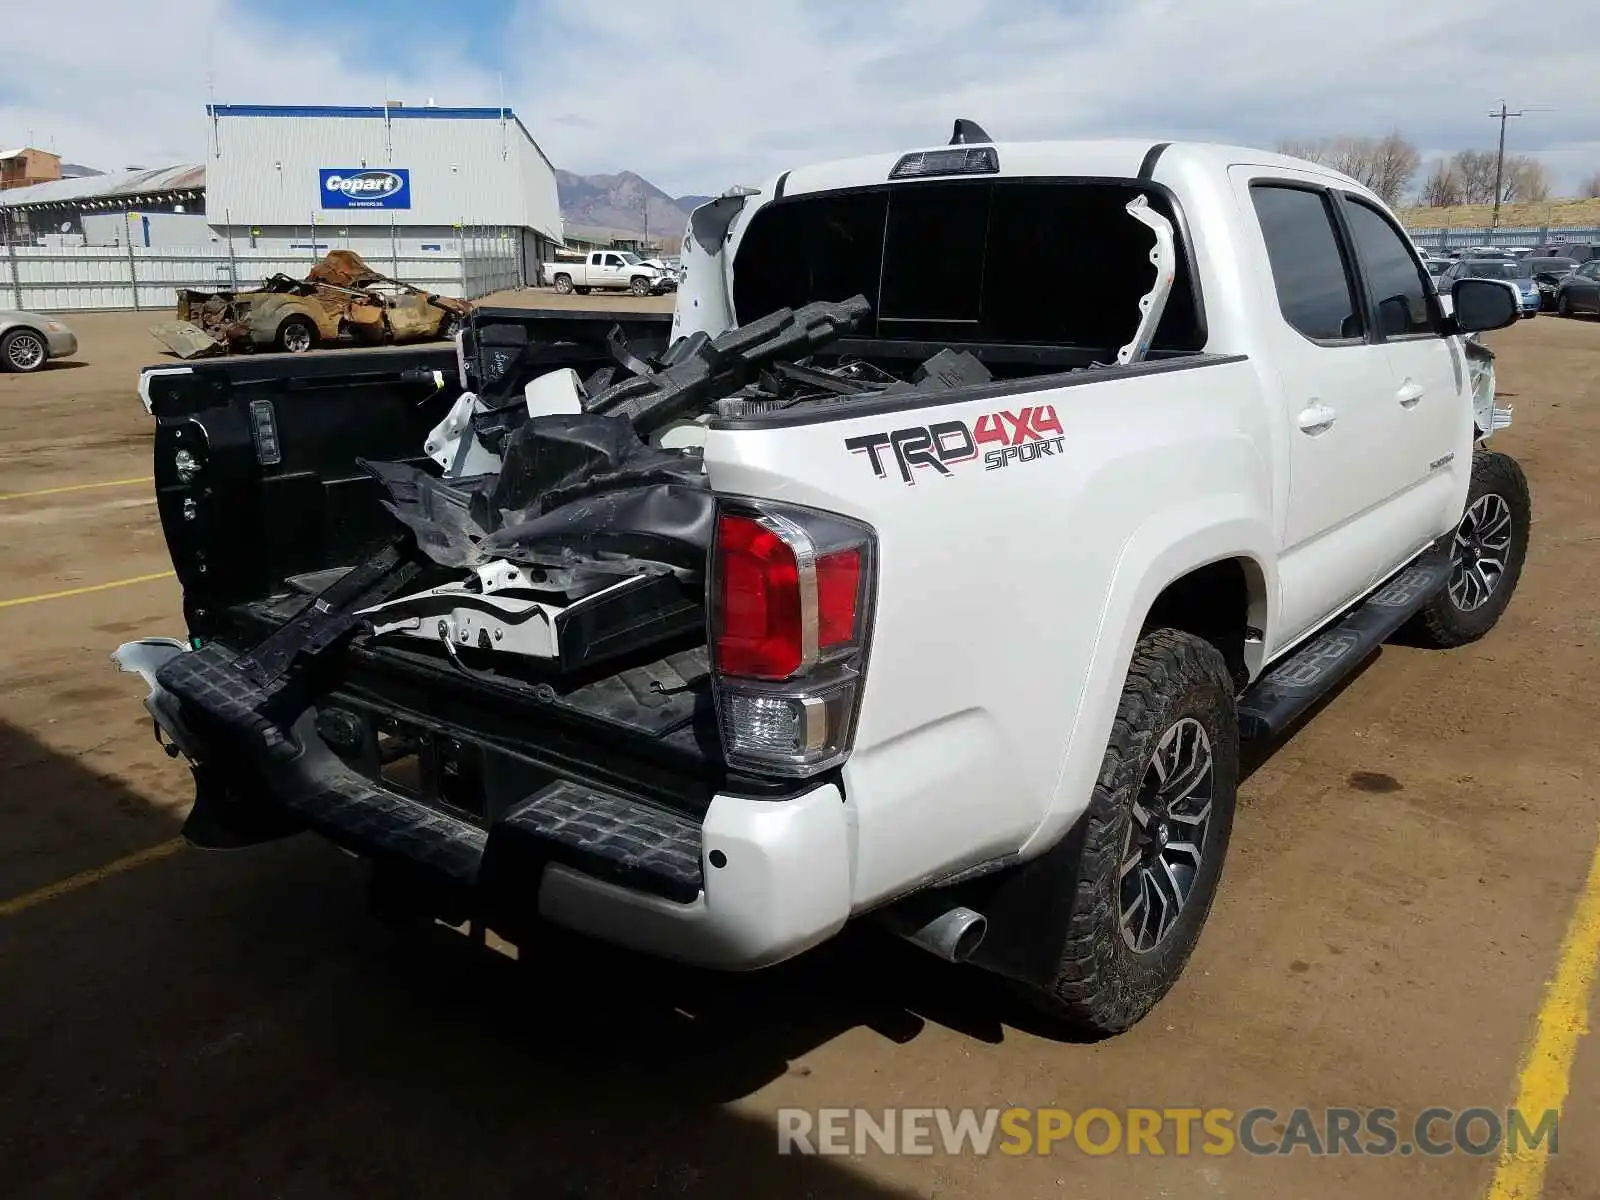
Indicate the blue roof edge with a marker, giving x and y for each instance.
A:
(396, 112)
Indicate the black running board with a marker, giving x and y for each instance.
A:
(1271, 704)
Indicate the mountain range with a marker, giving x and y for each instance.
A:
(624, 202)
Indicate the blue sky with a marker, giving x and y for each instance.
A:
(699, 94)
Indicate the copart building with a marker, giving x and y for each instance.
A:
(386, 181)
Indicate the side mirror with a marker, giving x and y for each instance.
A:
(1479, 305)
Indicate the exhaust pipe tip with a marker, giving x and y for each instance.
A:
(953, 935)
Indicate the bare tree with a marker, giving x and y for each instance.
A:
(1307, 148)
(1442, 187)
(1393, 164)
(1589, 189)
(1525, 179)
(1475, 170)
(1386, 165)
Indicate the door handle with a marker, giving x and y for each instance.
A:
(1316, 418)
(1410, 392)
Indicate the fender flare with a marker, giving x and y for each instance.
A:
(1168, 545)
(1027, 900)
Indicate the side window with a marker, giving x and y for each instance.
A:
(613, 260)
(1308, 268)
(1398, 283)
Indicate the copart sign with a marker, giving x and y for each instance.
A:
(365, 187)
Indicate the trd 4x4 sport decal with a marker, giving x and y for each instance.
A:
(1016, 437)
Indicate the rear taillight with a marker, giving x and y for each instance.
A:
(791, 604)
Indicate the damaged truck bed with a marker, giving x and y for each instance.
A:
(545, 557)
(452, 608)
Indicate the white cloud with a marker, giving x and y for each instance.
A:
(133, 88)
(702, 93)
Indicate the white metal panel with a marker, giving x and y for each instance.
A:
(59, 279)
(164, 229)
(479, 170)
(542, 204)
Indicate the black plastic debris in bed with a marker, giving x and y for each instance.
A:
(572, 491)
(585, 490)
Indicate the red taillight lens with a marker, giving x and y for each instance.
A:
(792, 593)
(838, 587)
(758, 579)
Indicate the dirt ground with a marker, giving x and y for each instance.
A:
(1401, 875)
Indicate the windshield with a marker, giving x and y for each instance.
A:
(631, 258)
(1547, 266)
(1491, 270)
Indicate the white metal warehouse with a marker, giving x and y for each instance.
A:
(390, 182)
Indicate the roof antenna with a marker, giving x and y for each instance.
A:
(967, 132)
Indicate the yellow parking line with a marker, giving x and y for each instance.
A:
(76, 487)
(1563, 1020)
(79, 591)
(72, 883)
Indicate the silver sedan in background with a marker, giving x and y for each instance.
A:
(28, 341)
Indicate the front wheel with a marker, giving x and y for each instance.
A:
(639, 285)
(1154, 837)
(1563, 305)
(1486, 555)
(296, 336)
(23, 350)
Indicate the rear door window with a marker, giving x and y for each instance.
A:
(1309, 272)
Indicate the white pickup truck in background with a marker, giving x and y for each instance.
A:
(900, 581)
(620, 270)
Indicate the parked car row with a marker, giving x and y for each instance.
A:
(1545, 282)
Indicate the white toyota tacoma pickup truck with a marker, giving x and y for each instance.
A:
(609, 270)
(889, 579)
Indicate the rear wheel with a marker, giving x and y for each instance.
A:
(23, 350)
(564, 284)
(296, 336)
(1154, 836)
(1486, 555)
(639, 285)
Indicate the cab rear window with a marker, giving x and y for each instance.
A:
(1055, 263)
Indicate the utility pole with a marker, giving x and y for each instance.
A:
(1500, 161)
(1503, 115)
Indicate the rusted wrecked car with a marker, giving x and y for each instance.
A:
(341, 299)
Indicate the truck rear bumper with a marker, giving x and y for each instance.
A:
(783, 886)
(752, 882)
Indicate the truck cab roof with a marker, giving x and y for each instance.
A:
(1108, 158)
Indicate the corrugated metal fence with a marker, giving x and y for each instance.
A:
(75, 278)
(1531, 235)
